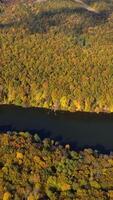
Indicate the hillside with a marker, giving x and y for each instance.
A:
(32, 169)
(57, 54)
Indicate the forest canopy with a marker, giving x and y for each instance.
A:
(35, 169)
(57, 55)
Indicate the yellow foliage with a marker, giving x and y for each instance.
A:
(87, 105)
(95, 184)
(59, 183)
(110, 161)
(38, 160)
(54, 95)
(81, 193)
(37, 185)
(45, 105)
(52, 181)
(64, 102)
(38, 96)
(77, 104)
(104, 171)
(11, 94)
(7, 196)
(111, 108)
(110, 194)
(31, 197)
(4, 140)
(20, 162)
(64, 186)
(44, 94)
(19, 155)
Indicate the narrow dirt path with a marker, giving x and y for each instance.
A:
(85, 6)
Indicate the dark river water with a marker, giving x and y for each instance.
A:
(79, 129)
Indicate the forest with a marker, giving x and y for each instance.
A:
(35, 169)
(57, 55)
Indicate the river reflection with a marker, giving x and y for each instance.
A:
(78, 129)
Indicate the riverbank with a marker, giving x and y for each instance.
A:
(34, 169)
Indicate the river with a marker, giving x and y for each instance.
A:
(79, 129)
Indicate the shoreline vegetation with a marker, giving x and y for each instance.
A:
(35, 169)
(57, 55)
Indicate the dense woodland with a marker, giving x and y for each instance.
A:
(57, 55)
(32, 169)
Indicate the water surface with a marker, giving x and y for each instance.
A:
(78, 129)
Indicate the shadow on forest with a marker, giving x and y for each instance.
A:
(79, 129)
(45, 20)
(10, 25)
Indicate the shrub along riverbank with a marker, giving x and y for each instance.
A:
(57, 55)
(44, 170)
